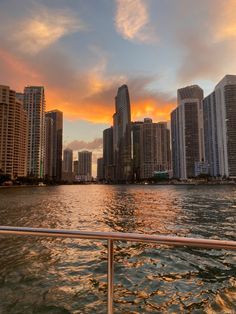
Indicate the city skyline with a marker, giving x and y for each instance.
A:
(80, 57)
(202, 129)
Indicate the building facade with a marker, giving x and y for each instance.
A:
(13, 134)
(100, 169)
(34, 104)
(122, 136)
(151, 148)
(108, 160)
(85, 165)
(187, 132)
(211, 135)
(49, 148)
(56, 143)
(67, 171)
(220, 128)
(137, 140)
(76, 168)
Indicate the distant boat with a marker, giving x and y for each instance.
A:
(41, 184)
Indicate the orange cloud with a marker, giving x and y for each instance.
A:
(103, 112)
(226, 22)
(19, 67)
(152, 109)
(94, 101)
(77, 109)
(89, 96)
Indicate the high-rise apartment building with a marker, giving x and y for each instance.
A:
(67, 160)
(162, 142)
(20, 97)
(187, 132)
(151, 148)
(34, 104)
(210, 134)
(100, 169)
(76, 168)
(122, 136)
(67, 173)
(220, 128)
(108, 161)
(49, 148)
(137, 140)
(85, 165)
(56, 143)
(13, 134)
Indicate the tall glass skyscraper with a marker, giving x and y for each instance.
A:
(122, 136)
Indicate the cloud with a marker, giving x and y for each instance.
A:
(40, 27)
(208, 46)
(15, 67)
(132, 21)
(226, 22)
(96, 144)
(86, 95)
(144, 101)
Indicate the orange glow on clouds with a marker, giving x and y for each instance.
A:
(102, 113)
(83, 104)
(150, 108)
(73, 110)
(19, 67)
(226, 28)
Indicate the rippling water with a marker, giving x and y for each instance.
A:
(57, 276)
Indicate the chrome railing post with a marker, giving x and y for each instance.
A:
(110, 276)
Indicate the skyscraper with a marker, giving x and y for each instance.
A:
(108, 161)
(162, 147)
(56, 142)
(210, 134)
(85, 165)
(100, 169)
(122, 136)
(67, 164)
(67, 160)
(137, 140)
(220, 128)
(13, 134)
(76, 168)
(34, 104)
(151, 148)
(187, 132)
(49, 148)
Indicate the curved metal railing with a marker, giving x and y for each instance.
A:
(118, 236)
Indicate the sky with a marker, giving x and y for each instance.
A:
(82, 51)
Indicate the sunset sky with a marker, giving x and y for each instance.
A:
(82, 51)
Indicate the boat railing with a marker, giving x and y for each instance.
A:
(111, 237)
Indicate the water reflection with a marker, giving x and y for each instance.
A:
(40, 275)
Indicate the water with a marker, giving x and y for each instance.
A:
(39, 275)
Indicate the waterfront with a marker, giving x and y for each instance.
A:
(69, 276)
